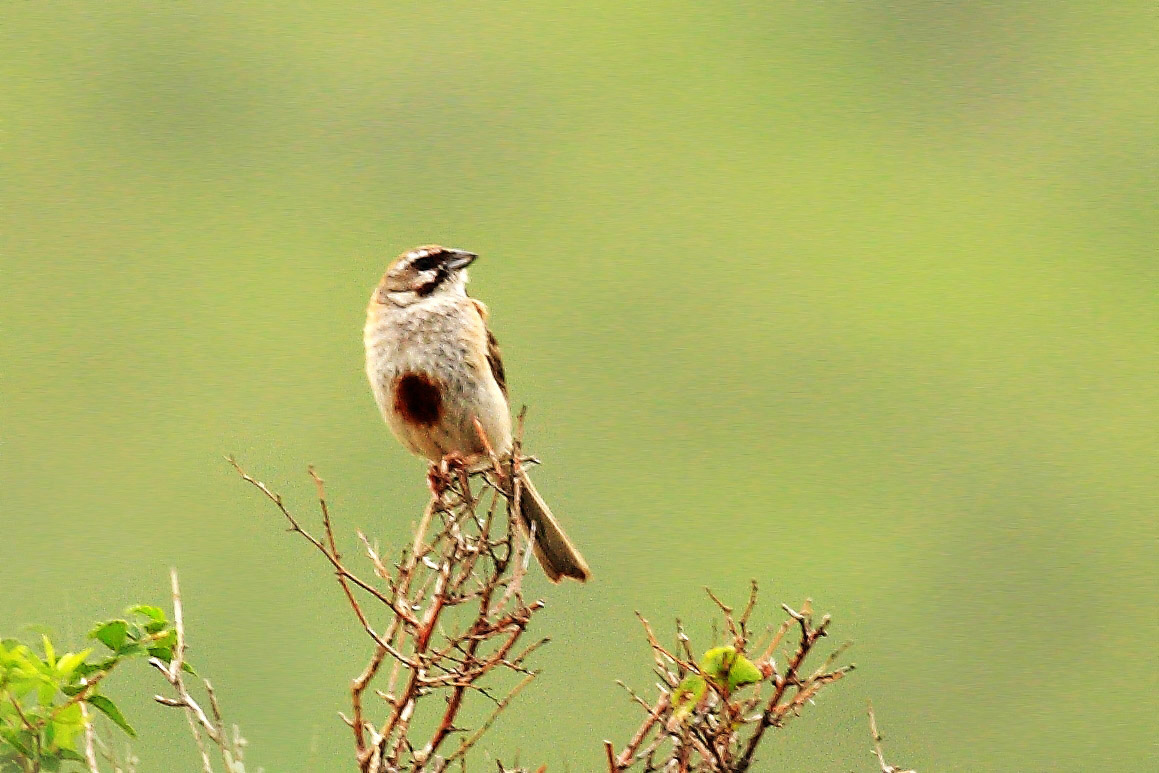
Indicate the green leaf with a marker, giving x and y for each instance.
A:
(188, 668)
(716, 662)
(164, 654)
(131, 648)
(34, 665)
(687, 694)
(162, 647)
(110, 710)
(69, 662)
(728, 669)
(19, 740)
(71, 755)
(70, 715)
(743, 672)
(157, 619)
(68, 722)
(111, 633)
(156, 614)
(49, 652)
(168, 640)
(87, 669)
(12, 653)
(19, 686)
(45, 692)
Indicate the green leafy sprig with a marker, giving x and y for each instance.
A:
(45, 697)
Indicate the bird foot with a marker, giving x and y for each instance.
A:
(441, 476)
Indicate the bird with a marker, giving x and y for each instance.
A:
(435, 371)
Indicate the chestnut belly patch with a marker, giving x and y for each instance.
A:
(418, 398)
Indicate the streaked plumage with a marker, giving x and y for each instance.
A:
(434, 367)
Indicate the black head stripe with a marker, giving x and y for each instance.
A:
(433, 283)
(426, 262)
(426, 258)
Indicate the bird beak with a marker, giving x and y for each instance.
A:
(460, 259)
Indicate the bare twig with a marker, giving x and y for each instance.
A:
(90, 740)
(460, 557)
(455, 617)
(710, 724)
(199, 722)
(503, 704)
(885, 766)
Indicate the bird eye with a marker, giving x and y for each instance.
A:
(426, 263)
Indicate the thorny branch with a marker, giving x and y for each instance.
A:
(449, 613)
(453, 609)
(719, 729)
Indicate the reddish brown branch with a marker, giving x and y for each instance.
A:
(708, 717)
(457, 554)
(710, 723)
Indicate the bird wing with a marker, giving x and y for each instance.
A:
(494, 358)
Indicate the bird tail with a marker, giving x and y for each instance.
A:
(555, 552)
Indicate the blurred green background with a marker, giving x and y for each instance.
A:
(856, 298)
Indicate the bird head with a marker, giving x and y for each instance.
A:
(426, 272)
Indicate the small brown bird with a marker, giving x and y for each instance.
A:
(434, 368)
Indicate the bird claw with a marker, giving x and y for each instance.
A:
(453, 462)
(441, 476)
(436, 481)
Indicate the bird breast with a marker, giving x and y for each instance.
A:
(427, 367)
